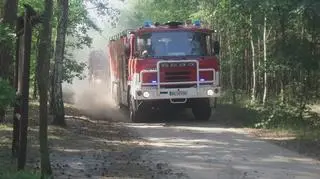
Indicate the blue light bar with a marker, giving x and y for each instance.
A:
(147, 23)
(153, 81)
(197, 23)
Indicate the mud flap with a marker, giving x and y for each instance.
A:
(136, 111)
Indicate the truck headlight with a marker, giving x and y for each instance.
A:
(210, 92)
(146, 94)
(98, 81)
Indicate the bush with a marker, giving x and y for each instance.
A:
(277, 115)
(274, 114)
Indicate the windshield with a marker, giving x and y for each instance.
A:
(161, 44)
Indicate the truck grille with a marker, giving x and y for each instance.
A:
(178, 72)
(177, 76)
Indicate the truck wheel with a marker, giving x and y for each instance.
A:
(136, 113)
(201, 110)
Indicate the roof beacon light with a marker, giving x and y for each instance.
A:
(197, 23)
(147, 23)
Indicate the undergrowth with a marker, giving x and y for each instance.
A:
(275, 114)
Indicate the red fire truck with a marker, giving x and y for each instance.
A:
(163, 66)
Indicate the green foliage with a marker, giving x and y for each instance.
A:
(72, 69)
(7, 37)
(273, 115)
(78, 26)
(278, 115)
(7, 94)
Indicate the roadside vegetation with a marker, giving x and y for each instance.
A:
(58, 29)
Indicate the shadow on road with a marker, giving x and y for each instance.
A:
(224, 115)
(214, 149)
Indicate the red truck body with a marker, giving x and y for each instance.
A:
(165, 65)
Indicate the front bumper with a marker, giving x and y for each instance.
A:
(152, 93)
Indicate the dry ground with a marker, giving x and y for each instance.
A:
(87, 148)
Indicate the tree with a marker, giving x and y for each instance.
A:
(43, 67)
(7, 17)
(254, 74)
(58, 106)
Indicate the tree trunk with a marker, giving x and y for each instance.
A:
(17, 106)
(247, 85)
(231, 74)
(283, 53)
(42, 78)
(24, 121)
(2, 115)
(265, 78)
(1, 10)
(7, 16)
(35, 89)
(6, 55)
(35, 80)
(51, 101)
(58, 107)
(254, 78)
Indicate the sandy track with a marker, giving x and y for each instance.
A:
(205, 150)
(181, 148)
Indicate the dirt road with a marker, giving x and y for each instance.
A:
(203, 150)
(107, 145)
(100, 148)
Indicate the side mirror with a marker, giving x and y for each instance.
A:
(216, 47)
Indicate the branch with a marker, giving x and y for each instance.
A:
(269, 32)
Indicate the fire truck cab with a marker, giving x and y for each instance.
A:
(163, 66)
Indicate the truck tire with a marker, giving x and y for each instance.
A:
(202, 110)
(135, 112)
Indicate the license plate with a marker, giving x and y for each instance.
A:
(178, 93)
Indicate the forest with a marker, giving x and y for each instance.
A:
(270, 54)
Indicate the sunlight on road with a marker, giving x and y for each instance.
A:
(190, 128)
(214, 152)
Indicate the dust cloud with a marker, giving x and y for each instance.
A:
(97, 102)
